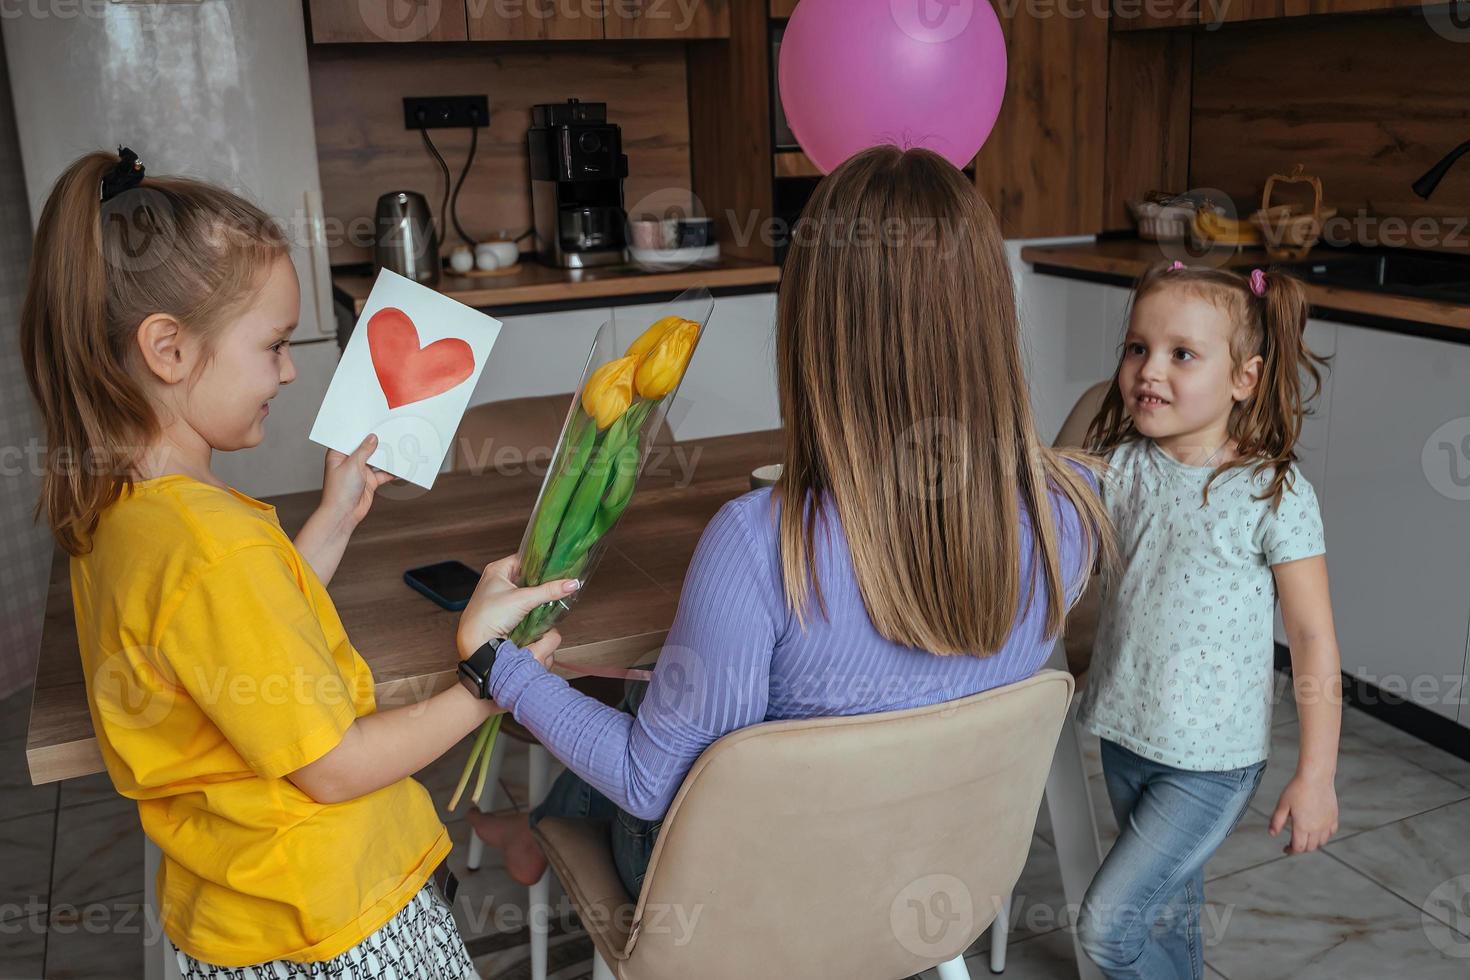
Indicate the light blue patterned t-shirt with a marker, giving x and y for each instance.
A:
(1182, 664)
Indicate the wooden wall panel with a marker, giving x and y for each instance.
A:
(365, 151)
(1041, 168)
(730, 128)
(1366, 104)
(1149, 82)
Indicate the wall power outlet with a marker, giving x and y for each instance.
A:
(446, 111)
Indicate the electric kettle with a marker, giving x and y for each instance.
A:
(406, 242)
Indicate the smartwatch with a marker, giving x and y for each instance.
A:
(474, 670)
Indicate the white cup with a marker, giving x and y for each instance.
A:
(766, 476)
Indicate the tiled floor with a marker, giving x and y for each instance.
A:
(1388, 898)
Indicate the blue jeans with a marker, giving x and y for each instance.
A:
(1140, 919)
(631, 838)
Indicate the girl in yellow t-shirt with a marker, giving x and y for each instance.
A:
(226, 697)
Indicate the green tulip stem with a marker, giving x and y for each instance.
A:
(485, 755)
(464, 777)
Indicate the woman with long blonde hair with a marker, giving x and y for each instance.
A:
(920, 546)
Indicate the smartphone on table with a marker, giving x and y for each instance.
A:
(447, 583)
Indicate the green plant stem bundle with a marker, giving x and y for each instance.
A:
(591, 485)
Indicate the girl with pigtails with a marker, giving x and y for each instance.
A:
(1215, 523)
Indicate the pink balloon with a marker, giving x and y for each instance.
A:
(857, 73)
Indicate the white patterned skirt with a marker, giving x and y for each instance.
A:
(421, 940)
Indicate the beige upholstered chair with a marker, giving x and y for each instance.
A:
(1074, 429)
(867, 846)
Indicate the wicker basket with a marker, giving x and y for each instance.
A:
(1290, 231)
(1162, 222)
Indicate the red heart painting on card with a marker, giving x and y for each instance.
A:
(410, 373)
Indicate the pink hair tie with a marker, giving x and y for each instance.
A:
(1258, 282)
(1176, 265)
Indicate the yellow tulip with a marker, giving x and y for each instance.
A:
(609, 390)
(661, 368)
(653, 335)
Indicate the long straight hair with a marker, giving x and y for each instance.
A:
(170, 245)
(904, 399)
(1266, 426)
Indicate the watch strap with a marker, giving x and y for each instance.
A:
(477, 666)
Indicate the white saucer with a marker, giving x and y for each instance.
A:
(668, 259)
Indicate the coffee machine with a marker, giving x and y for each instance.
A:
(577, 171)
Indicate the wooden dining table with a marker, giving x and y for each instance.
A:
(619, 619)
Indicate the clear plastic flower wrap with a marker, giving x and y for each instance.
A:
(615, 413)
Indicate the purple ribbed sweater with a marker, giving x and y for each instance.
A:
(735, 656)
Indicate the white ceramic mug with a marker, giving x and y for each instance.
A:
(766, 476)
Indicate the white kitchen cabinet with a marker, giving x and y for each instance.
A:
(1397, 518)
(1312, 446)
(286, 460)
(539, 354)
(730, 386)
(1070, 332)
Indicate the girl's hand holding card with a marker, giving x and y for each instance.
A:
(349, 483)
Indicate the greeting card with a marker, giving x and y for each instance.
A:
(406, 375)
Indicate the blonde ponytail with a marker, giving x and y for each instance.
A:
(1269, 424)
(170, 245)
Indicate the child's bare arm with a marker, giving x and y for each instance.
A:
(1306, 610)
(348, 486)
(381, 749)
(1081, 628)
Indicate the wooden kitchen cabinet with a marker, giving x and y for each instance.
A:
(1041, 169)
(1398, 539)
(392, 21)
(669, 19)
(1144, 15)
(1139, 15)
(536, 20)
(1239, 10)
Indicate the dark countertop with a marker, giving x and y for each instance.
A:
(1124, 259)
(534, 284)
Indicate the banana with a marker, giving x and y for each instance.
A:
(1215, 227)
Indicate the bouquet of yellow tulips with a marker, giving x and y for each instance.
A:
(604, 442)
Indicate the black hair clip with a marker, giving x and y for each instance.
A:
(125, 176)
